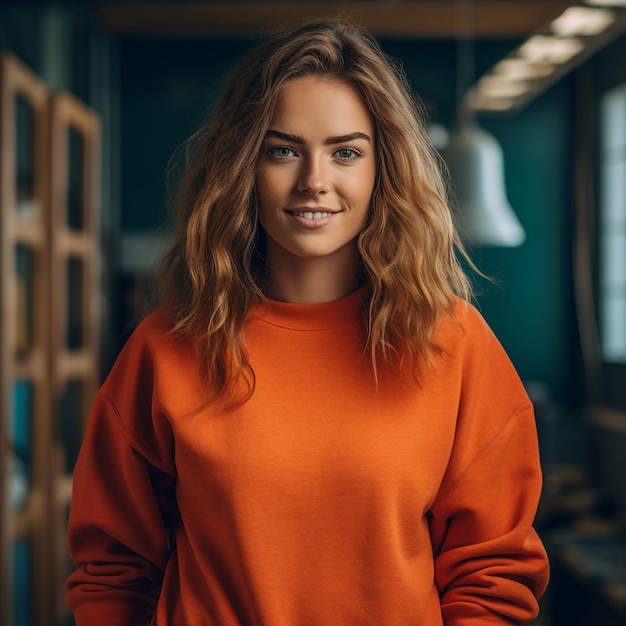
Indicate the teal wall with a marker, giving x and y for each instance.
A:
(166, 90)
(53, 40)
(161, 91)
(168, 87)
(532, 308)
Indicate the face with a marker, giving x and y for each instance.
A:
(316, 172)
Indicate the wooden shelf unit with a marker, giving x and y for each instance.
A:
(49, 329)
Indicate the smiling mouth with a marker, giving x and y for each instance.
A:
(312, 215)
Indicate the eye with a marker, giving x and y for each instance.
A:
(281, 152)
(348, 154)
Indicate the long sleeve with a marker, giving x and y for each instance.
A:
(490, 565)
(118, 531)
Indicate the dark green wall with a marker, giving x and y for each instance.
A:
(168, 87)
(161, 91)
(166, 90)
(29, 31)
(532, 308)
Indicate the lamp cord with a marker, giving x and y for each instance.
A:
(465, 63)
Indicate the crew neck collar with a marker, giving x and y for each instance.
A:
(317, 316)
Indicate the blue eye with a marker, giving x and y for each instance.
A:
(281, 152)
(348, 154)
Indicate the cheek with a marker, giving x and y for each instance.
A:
(366, 179)
(271, 187)
(262, 187)
(266, 198)
(364, 190)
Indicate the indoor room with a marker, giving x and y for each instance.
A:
(524, 102)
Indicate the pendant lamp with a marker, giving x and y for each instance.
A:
(476, 164)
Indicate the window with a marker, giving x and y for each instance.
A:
(612, 225)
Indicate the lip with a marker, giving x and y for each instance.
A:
(306, 216)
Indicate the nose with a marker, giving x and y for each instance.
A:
(314, 176)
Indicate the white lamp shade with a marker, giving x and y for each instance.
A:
(476, 165)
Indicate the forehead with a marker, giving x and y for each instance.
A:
(324, 102)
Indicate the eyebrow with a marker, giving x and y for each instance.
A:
(329, 142)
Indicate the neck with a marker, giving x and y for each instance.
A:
(310, 280)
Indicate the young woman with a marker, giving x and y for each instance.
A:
(315, 427)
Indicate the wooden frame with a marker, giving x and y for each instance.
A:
(73, 243)
(407, 18)
(28, 229)
(35, 354)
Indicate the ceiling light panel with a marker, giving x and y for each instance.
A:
(582, 21)
(491, 85)
(542, 48)
(607, 3)
(482, 102)
(522, 69)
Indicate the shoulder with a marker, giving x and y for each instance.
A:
(155, 326)
(151, 345)
(465, 325)
(132, 393)
(465, 339)
(157, 373)
(156, 333)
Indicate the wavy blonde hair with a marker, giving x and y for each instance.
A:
(213, 272)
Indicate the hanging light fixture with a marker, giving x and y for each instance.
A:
(476, 165)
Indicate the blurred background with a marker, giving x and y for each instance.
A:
(525, 99)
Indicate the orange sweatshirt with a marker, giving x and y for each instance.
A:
(323, 500)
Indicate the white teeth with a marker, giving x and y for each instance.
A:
(311, 215)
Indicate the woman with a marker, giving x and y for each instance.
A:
(315, 427)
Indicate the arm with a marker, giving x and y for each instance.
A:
(490, 565)
(122, 493)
